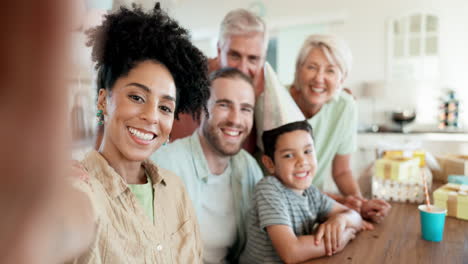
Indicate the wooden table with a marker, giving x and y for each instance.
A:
(398, 240)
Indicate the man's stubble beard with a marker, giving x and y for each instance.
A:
(211, 136)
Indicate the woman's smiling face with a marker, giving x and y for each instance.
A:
(138, 111)
(318, 78)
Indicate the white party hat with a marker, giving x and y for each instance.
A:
(274, 107)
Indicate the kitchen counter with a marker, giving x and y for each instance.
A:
(418, 135)
(410, 129)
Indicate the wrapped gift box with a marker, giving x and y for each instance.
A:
(398, 169)
(398, 191)
(451, 164)
(419, 154)
(453, 197)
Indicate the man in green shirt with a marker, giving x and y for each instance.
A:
(219, 175)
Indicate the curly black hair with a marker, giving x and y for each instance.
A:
(130, 36)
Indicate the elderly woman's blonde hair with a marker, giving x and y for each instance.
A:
(334, 48)
(241, 22)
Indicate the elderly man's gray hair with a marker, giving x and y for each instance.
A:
(241, 22)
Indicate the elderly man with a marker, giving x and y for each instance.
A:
(242, 44)
(218, 174)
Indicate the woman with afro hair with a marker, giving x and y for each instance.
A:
(148, 72)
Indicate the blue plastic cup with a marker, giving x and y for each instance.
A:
(432, 222)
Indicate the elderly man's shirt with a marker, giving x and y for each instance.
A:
(125, 233)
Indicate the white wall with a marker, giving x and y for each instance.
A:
(362, 23)
(292, 38)
(364, 28)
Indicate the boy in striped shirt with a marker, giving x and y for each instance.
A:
(286, 207)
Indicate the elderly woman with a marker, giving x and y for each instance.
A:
(322, 66)
(148, 72)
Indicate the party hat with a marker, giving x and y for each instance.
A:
(275, 106)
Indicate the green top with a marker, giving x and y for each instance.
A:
(335, 132)
(144, 195)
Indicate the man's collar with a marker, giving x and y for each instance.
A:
(153, 172)
(200, 163)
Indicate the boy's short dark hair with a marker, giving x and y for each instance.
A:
(270, 137)
(230, 73)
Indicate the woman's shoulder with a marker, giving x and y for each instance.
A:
(171, 178)
(168, 177)
(343, 105)
(93, 189)
(90, 167)
(345, 98)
